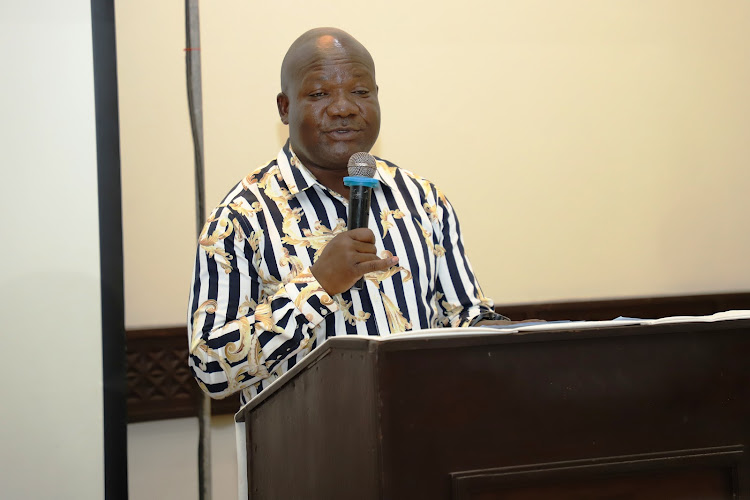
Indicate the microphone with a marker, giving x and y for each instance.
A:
(361, 169)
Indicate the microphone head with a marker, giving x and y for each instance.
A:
(361, 165)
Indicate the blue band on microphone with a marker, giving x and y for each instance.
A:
(361, 181)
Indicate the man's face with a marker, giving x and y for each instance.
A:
(331, 108)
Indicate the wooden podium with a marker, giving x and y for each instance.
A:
(627, 412)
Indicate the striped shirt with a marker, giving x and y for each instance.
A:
(255, 307)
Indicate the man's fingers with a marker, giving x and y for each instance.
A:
(364, 248)
(373, 265)
(362, 234)
(347, 257)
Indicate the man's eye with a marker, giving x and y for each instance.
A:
(361, 92)
(317, 94)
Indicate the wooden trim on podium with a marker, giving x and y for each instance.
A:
(160, 385)
(647, 308)
(697, 473)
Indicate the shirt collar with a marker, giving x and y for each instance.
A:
(298, 178)
(386, 173)
(295, 175)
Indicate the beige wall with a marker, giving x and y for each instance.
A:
(163, 459)
(592, 149)
(51, 408)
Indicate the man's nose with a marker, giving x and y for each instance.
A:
(342, 105)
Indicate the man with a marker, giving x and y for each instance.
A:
(275, 266)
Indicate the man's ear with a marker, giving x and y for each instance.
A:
(282, 102)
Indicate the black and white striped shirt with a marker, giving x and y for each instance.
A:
(255, 307)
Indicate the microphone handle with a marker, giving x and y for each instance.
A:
(359, 215)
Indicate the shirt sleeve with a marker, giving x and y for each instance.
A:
(243, 322)
(463, 302)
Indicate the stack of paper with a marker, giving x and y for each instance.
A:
(567, 325)
(571, 325)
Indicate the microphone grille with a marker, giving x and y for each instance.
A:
(361, 165)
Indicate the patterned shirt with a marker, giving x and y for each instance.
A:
(255, 307)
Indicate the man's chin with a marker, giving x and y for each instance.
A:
(340, 152)
(331, 155)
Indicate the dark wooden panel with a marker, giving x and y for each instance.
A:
(704, 484)
(611, 413)
(336, 422)
(160, 385)
(551, 397)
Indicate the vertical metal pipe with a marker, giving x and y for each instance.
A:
(195, 103)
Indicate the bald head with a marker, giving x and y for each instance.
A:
(320, 43)
(329, 99)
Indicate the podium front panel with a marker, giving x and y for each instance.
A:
(587, 414)
(614, 396)
(316, 437)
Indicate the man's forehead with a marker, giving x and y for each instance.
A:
(332, 71)
(316, 48)
(325, 66)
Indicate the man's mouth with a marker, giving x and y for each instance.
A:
(342, 133)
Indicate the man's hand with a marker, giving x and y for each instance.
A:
(346, 258)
